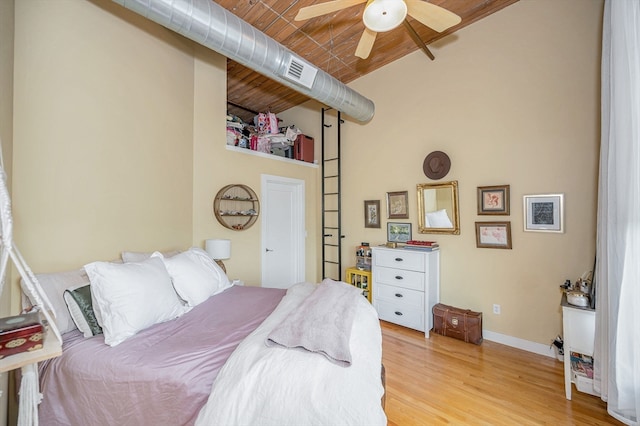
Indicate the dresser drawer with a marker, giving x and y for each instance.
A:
(401, 315)
(399, 277)
(403, 259)
(400, 296)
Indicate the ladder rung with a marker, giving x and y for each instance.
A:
(330, 176)
(330, 227)
(330, 261)
(330, 193)
(330, 159)
(331, 245)
(331, 211)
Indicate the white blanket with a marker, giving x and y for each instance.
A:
(322, 323)
(262, 385)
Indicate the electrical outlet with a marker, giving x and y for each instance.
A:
(496, 309)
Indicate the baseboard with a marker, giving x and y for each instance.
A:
(514, 342)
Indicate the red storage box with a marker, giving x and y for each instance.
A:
(21, 333)
(303, 148)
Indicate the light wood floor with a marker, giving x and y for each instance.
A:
(446, 381)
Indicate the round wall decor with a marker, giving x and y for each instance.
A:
(436, 165)
(236, 207)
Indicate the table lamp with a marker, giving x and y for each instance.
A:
(218, 249)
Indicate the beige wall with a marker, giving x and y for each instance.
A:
(103, 134)
(6, 106)
(215, 167)
(6, 135)
(512, 99)
(120, 141)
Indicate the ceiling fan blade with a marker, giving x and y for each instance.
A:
(431, 15)
(366, 43)
(416, 38)
(324, 8)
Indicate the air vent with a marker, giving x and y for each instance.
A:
(300, 72)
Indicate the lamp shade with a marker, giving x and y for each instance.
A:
(384, 15)
(218, 248)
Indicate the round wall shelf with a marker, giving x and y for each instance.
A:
(236, 207)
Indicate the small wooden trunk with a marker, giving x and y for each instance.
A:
(21, 333)
(462, 324)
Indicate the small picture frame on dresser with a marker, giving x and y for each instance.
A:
(398, 232)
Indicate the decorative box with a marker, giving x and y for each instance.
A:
(21, 333)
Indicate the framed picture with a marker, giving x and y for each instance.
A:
(493, 235)
(398, 205)
(398, 232)
(493, 200)
(544, 213)
(372, 214)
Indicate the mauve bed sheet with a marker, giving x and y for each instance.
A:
(161, 376)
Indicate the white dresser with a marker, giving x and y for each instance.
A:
(406, 285)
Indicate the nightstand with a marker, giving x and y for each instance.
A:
(578, 328)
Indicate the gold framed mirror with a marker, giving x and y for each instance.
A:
(438, 208)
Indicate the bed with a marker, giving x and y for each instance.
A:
(214, 363)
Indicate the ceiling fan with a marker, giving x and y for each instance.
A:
(384, 15)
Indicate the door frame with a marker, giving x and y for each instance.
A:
(298, 215)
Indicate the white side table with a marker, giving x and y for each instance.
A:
(578, 325)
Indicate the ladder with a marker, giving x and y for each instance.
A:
(331, 219)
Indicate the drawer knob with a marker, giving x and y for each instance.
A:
(398, 277)
(399, 295)
(399, 259)
(398, 313)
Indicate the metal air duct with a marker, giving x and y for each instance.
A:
(211, 25)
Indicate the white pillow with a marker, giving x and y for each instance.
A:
(439, 219)
(139, 256)
(54, 285)
(130, 297)
(195, 276)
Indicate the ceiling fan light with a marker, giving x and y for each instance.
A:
(384, 15)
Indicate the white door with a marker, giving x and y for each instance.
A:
(283, 233)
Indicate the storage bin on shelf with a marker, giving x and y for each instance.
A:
(363, 257)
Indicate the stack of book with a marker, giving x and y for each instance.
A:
(422, 245)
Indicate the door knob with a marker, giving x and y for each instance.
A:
(268, 250)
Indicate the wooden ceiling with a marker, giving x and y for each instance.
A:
(328, 42)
